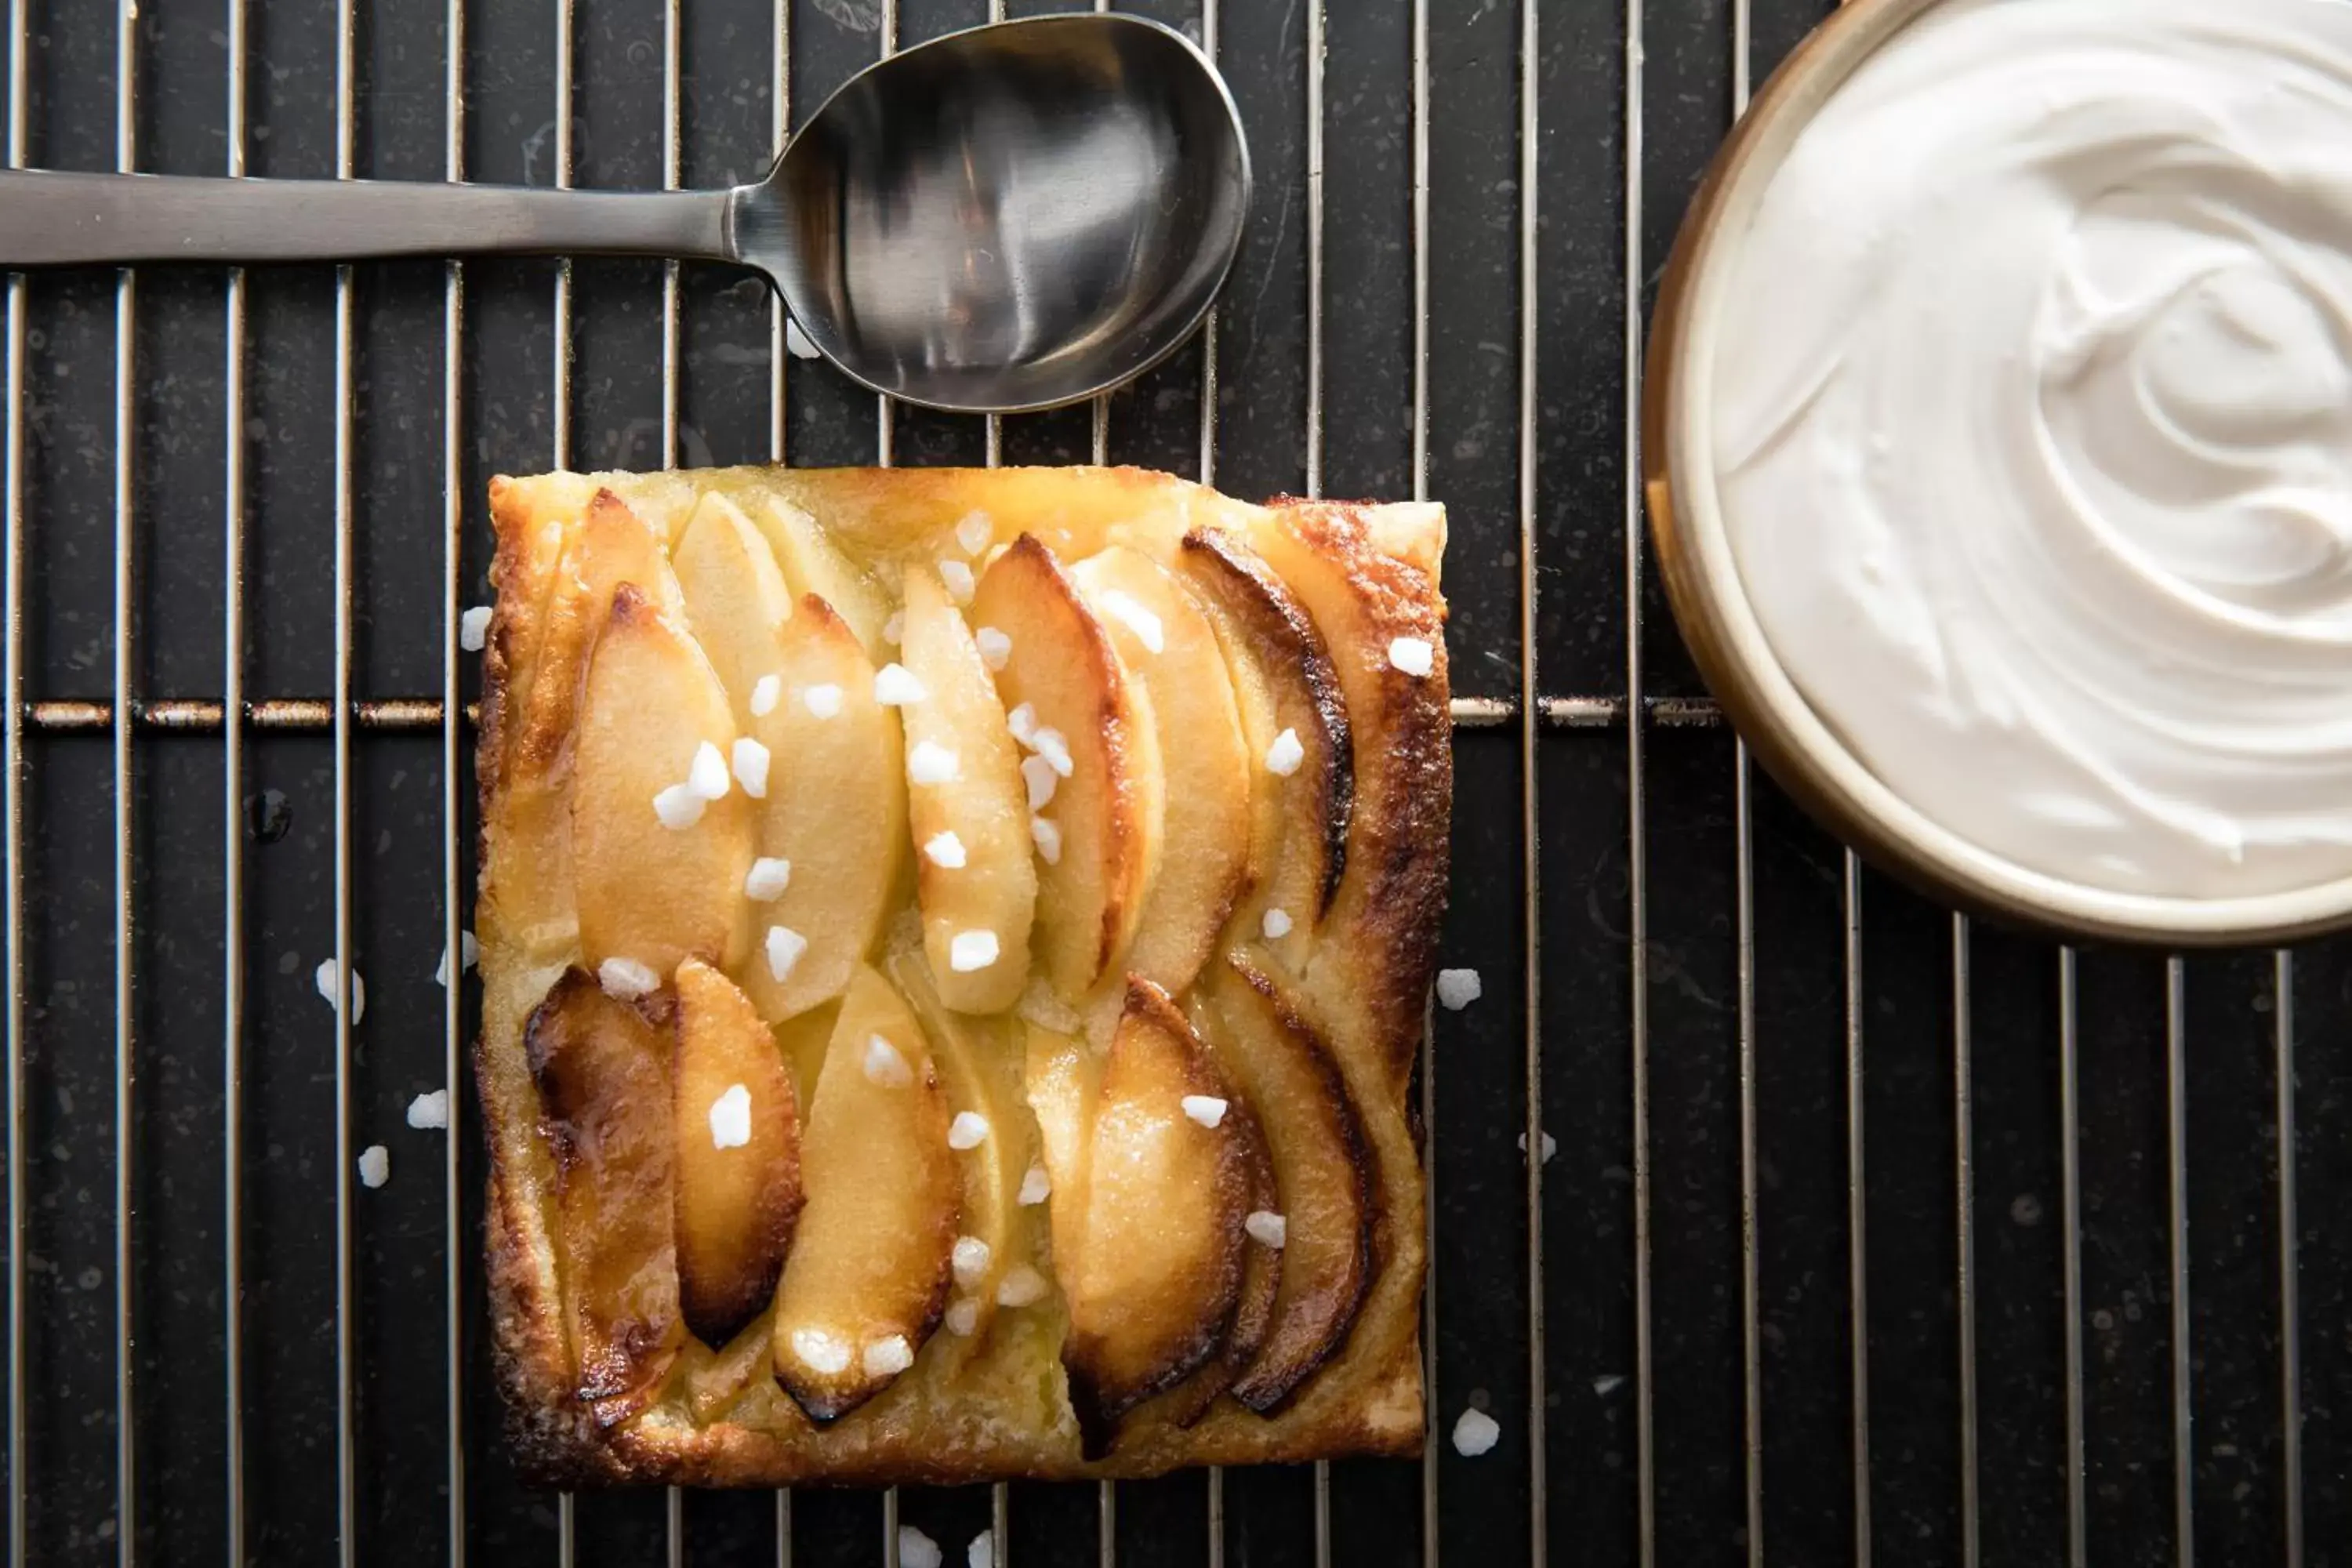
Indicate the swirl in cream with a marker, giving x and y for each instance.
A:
(2033, 428)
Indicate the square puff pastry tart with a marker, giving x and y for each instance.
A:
(955, 947)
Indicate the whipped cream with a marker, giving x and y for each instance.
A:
(2031, 421)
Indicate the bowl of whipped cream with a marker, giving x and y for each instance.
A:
(1999, 450)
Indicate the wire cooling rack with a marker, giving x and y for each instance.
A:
(1848, 1231)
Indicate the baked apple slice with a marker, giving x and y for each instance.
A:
(813, 563)
(616, 545)
(612, 545)
(1296, 724)
(1159, 1267)
(1374, 596)
(870, 1262)
(1163, 638)
(735, 597)
(1190, 1399)
(979, 1066)
(1083, 714)
(967, 809)
(601, 1068)
(659, 869)
(834, 824)
(738, 1165)
(1322, 1173)
(532, 884)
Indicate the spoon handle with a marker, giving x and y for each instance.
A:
(51, 219)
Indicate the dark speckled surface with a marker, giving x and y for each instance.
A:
(1806, 996)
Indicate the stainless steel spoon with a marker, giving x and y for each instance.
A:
(1000, 220)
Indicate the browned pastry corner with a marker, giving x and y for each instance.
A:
(955, 946)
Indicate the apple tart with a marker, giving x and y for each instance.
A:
(955, 947)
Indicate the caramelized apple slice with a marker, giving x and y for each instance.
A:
(1163, 638)
(735, 597)
(617, 546)
(975, 874)
(1322, 1171)
(1107, 813)
(1190, 1399)
(600, 1065)
(1158, 1266)
(1374, 605)
(870, 1265)
(835, 814)
(738, 1165)
(979, 1067)
(813, 563)
(610, 545)
(1287, 686)
(529, 883)
(648, 891)
(536, 522)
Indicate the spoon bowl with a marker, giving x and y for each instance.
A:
(1010, 218)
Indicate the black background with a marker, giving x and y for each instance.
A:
(1807, 993)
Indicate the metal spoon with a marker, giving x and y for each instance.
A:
(1008, 218)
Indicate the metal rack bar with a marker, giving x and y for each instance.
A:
(1215, 1503)
(673, 1512)
(126, 306)
(886, 430)
(1751, 1308)
(1530, 804)
(208, 716)
(780, 126)
(1637, 901)
(1316, 64)
(672, 160)
(1106, 1493)
(1857, 1213)
(346, 1388)
(1607, 712)
(233, 1000)
(1964, 1209)
(2070, 1160)
(884, 442)
(780, 129)
(13, 657)
(278, 715)
(567, 1518)
(559, 412)
(453, 997)
(1000, 1495)
(1315, 68)
(2175, 1113)
(2290, 1314)
(1209, 20)
(1101, 432)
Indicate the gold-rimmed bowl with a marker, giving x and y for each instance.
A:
(1719, 622)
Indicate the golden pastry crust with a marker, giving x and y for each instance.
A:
(1351, 580)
